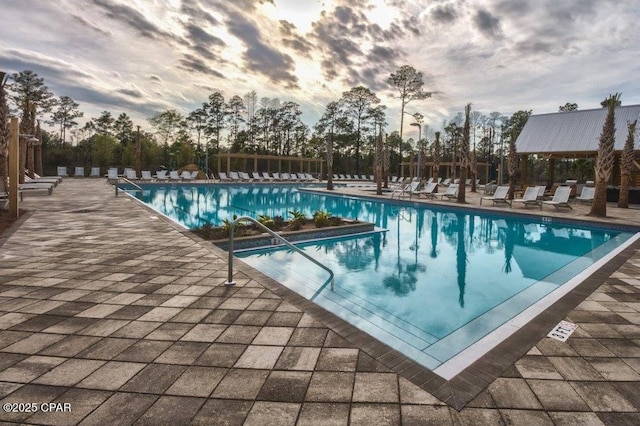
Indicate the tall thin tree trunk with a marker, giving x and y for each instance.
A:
(626, 164)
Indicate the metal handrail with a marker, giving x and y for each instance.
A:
(273, 234)
(128, 181)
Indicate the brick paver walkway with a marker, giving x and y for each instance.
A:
(119, 313)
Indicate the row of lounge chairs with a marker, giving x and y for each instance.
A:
(534, 195)
(146, 176)
(265, 177)
(79, 172)
(35, 184)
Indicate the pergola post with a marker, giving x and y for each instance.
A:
(524, 163)
(14, 166)
(551, 173)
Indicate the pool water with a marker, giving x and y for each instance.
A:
(432, 284)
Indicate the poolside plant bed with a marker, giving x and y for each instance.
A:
(298, 228)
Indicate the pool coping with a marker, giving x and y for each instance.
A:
(471, 381)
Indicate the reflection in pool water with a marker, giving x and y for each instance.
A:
(436, 282)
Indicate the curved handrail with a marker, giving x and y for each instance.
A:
(128, 181)
(132, 183)
(273, 234)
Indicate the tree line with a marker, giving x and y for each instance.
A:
(348, 131)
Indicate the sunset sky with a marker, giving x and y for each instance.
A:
(145, 56)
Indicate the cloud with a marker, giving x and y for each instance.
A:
(192, 63)
(259, 56)
(133, 18)
(444, 13)
(488, 24)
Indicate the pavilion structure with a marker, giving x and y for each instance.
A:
(572, 135)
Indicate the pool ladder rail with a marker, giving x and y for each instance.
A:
(135, 185)
(230, 281)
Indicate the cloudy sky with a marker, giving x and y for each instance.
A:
(145, 56)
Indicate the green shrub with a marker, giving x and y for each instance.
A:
(321, 218)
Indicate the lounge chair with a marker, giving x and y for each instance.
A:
(234, 177)
(112, 175)
(446, 182)
(256, 176)
(95, 172)
(26, 187)
(173, 175)
(560, 197)
(53, 180)
(161, 175)
(266, 176)
(79, 172)
(62, 171)
(541, 190)
(276, 176)
(499, 196)
(587, 194)
(529, 198)
(131, 174)
(222, 176)
(186, 175)
(372, 178)
(146, 176)
(451, 192)
(429, 190)
(194, 174)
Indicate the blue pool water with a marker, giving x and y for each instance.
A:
(434, 283)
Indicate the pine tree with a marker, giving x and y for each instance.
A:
(464, 154)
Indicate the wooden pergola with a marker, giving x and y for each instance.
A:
(306, 165)
(413, 168)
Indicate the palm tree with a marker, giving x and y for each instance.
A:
(626, 163)
(604, 160)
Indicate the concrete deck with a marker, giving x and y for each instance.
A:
(118, 312)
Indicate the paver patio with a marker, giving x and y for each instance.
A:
(120, 313)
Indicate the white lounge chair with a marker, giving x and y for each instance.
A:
(161, 175)
(451, 192)
(529, 198)
(112, 175)
(266, 176)
(245, 176)
(95, 172)
(131, 174)
(62, 171)
(429, 190)
(499, 196)
(587, 194)
(560, 197)
(173, 175)
(256, 176)
(53, 180)
(79, 172)
(233, 176)
(186, 175)
(146, 176)
(223, 177)
(26, 187)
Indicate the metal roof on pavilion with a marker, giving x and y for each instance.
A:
(574, 133)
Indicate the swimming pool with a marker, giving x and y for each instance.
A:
(433, 285)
